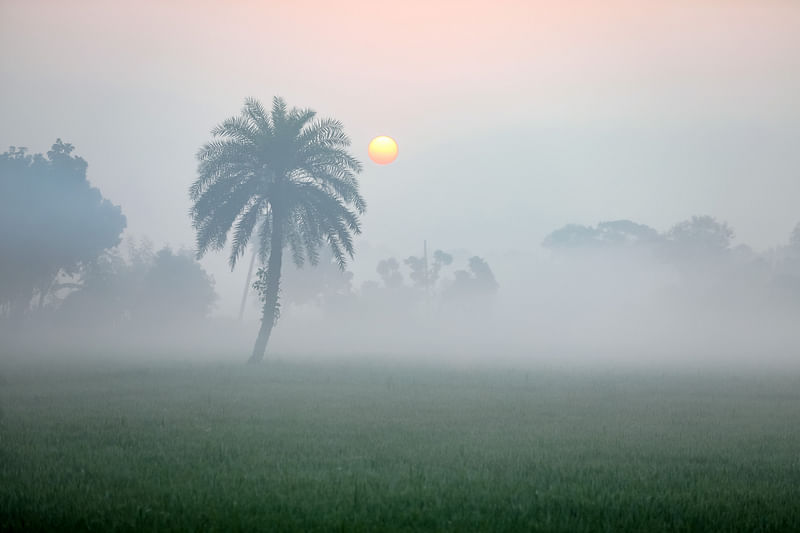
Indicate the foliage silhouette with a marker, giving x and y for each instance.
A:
(51, 222)
(701, 234)
(153, 290)
(389, 271)
(417, 265)
(473, 288)
(613, 233)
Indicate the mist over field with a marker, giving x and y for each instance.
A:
(618, 293)
(563, 294)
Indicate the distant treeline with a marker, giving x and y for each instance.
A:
(697, 252)
(62, 263)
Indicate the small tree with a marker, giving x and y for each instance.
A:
(427, 279)
(176, 288)
(389, 271)
(148, 289)
(474, 287)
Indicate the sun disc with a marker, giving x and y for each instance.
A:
(383, 150)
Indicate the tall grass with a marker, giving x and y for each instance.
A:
(302, 447)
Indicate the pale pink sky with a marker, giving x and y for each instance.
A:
(513, 118)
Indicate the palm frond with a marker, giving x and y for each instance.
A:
(295, 242)
(340, 182)
(284, 159)
(299, 118)
(243, 230)
(241, 129)
(338, 157)
(221, 191)
(311, 234)
(215, 212)
(256, 112)
(325, 133)
(278, 112)
(218, 159)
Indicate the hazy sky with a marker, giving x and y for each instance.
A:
(513, 118)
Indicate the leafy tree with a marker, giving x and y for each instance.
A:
(475, 285)
(417, 267)
(175, 288)
(571, 236)
(698, 248)
(149, 289)
(389, 271)
(698, 237)
(285, 176)
(51, 222)
(612, 233)
(103, 294)
(440, 259)
(419, 276)
(701, 233)
(626, 232)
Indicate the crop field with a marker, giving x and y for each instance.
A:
(348, 446)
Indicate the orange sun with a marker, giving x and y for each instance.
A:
(383, 150)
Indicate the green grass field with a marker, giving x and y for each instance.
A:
(365, 447)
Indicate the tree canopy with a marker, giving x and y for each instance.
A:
(613, 233)
(52, 220)
(146, 289)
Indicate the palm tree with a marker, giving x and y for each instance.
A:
(285, 177)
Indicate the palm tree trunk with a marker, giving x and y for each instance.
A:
(270, 310)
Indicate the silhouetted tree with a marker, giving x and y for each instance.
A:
(474, 287)
(701, 234)
(417, 266)
(51, 222)
(700, 249)
(105, 292)
(613, 233)
(626, 232)
(571, 236)
(286, 174)
(176, 288)
(150, 289)
(440, 259)
(389, 271)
